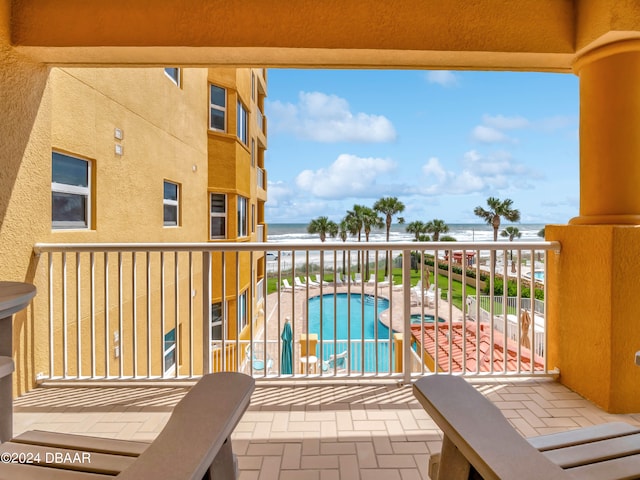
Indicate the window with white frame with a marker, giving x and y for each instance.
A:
(241, 127)
(70, 192)
(217, 108)
(216, 321)
(171, 204)
(218, 202)
(242, 217)
(242, 311)
(253, 218)
(173, 74)
(170, 351)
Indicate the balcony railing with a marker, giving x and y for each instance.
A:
(260, 120)
(260, 233)
(260, 176)
(145, 310)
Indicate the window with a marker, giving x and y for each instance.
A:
(170, 351)
(170, 203)
(218, 215)
(217, 108)
(242, 217)
(242, 311)
(216, 321)
(70, 192)
(253, 86)
(173, 74)
(242, 123)
(253, 152)
(253, 218)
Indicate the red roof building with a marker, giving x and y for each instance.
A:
(467, 347)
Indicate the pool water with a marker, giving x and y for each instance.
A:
(539, 275)
(415, 319)
(351, 321)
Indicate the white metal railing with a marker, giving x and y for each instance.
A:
(260, 120)
(260, 177)
(355, 310)
(536, 315)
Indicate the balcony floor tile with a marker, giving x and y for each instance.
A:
(311, 432)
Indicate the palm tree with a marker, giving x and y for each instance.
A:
(355, 222)
(497, 209)
(389, 206)
(343, 234)
(323, 226)
(418, 229)
(370, 219)
(511, 232)
(436, 227)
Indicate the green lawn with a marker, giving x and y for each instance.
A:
(443, 284)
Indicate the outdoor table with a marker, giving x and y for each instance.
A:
(14, 296)
(312, 361)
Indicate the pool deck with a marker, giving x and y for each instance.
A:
(292, 304)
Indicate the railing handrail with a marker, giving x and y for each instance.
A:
(292, 246)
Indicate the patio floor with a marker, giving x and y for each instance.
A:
(326, 432)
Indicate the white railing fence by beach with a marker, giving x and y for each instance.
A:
(374, 310)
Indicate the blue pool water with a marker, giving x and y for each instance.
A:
(539, 275)
(350, 321)
(415, 318)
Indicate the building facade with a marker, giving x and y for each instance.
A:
(138, 155)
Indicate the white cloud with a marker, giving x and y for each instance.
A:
(484, 134)
(505, 123)
(348, 176)
(443, 77)
(328, 118)
(479, 173)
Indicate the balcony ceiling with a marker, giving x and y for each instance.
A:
(542, 35)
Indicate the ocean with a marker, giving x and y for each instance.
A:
(462, 232)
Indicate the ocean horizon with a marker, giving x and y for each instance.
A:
(462, 232)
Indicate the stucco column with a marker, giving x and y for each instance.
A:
(594, 307)
(609, 139)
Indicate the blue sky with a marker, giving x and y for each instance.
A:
(440, 141)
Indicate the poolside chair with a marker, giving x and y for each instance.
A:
(372, 279)
(337, 279)
(258, 361)
(357, 278)
(312, 283)
(335, 361)
(286, 286)
(299, 283)
(319, 280)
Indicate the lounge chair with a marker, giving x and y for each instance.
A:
(195, 443)
(337, 279)
(286, 286)
(299, 283)
(312, 283)
(258, 361)
(357, 278)
(318, 280)
(479, 442)
(336, 362)
(372, 279)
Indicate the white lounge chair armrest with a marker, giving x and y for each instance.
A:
(197, 430)
(481, 433)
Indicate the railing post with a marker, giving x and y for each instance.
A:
(206, 313)
(406, 313)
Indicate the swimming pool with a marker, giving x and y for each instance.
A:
(415, 318)
(352, 319)
(538, 275)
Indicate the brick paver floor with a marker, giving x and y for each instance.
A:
(346, 432)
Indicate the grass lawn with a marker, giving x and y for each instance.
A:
(443, 284)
